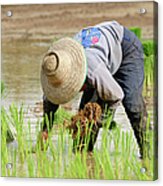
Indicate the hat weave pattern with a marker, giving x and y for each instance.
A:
(63, 70)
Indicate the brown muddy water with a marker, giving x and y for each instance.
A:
(21, 63)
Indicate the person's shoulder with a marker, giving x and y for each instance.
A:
(109, 23)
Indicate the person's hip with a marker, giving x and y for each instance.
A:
(131, 45)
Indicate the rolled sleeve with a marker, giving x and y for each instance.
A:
(108, 89)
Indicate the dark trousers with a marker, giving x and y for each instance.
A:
(130, 77)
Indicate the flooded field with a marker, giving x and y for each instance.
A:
(21, 71)
(25, 39)
(21, 74)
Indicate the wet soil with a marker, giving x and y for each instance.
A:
(49, 21)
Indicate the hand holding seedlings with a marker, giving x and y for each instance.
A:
(85, 126)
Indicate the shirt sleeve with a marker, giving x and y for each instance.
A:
(107, 87)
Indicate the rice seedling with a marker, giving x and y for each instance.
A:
(11, 131)
(137, 31)
(150, 53)
(114, 159)
(2, 88)
(149, 47)
(150, 65)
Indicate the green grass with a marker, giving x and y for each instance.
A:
(115, 159)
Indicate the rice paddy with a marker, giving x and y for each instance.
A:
(114, 158)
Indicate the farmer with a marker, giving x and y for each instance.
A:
(104, 61)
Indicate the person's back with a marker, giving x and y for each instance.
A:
(102, 44)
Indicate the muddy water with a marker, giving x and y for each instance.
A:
(21, 63)
(21, 71)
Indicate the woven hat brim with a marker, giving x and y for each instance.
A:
(72, 81)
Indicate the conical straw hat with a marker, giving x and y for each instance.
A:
(63, 70)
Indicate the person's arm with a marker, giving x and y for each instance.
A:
(107, 88)
(49, 110)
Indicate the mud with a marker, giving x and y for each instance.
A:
(86, 123)
(85, 118)
(46, 22)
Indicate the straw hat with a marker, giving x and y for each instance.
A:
(63, 70)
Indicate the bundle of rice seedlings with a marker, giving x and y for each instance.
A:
(137, 31)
